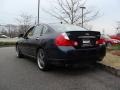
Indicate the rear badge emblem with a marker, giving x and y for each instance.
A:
(87, 34)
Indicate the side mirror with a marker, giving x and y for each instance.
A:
(20, 35)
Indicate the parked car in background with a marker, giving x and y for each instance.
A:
(115, 37)
(61, 44)
(3, 36)
(109, 41)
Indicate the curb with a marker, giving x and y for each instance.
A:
(110, 69)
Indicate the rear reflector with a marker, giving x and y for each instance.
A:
(63, 40)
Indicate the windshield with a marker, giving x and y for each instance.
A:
(65, 27)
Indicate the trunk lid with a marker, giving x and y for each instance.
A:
(84, 38)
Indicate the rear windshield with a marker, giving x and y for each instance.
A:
(66, 27)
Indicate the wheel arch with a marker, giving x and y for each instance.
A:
(40, 47)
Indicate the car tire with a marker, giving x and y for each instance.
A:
(41, 60)
(18, 52)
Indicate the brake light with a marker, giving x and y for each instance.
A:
(63, 40)
(100, 41)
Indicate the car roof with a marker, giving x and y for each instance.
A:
(66, 27)
(58, 24)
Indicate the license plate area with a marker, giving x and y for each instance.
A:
(86, 42)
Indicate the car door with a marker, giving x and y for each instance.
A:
(34, 41)
(25, 41)
(45, 35)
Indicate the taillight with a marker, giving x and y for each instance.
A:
(100, 41)
(63, 40)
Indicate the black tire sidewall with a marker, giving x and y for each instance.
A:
(45, 67)
(18, 52)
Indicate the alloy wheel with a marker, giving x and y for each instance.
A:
(41, 59)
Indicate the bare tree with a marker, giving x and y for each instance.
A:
(25, 22)
(4, 32)
(68, 11)
(11, 30)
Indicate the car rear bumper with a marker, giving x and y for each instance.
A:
(71, 55)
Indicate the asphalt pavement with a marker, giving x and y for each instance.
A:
(23, 74)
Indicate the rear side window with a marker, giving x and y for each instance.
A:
(46, 30)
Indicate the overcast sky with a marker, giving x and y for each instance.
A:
(109, 11)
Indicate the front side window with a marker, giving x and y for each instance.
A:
(30, 33)
(35, 32)
(38, 31)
